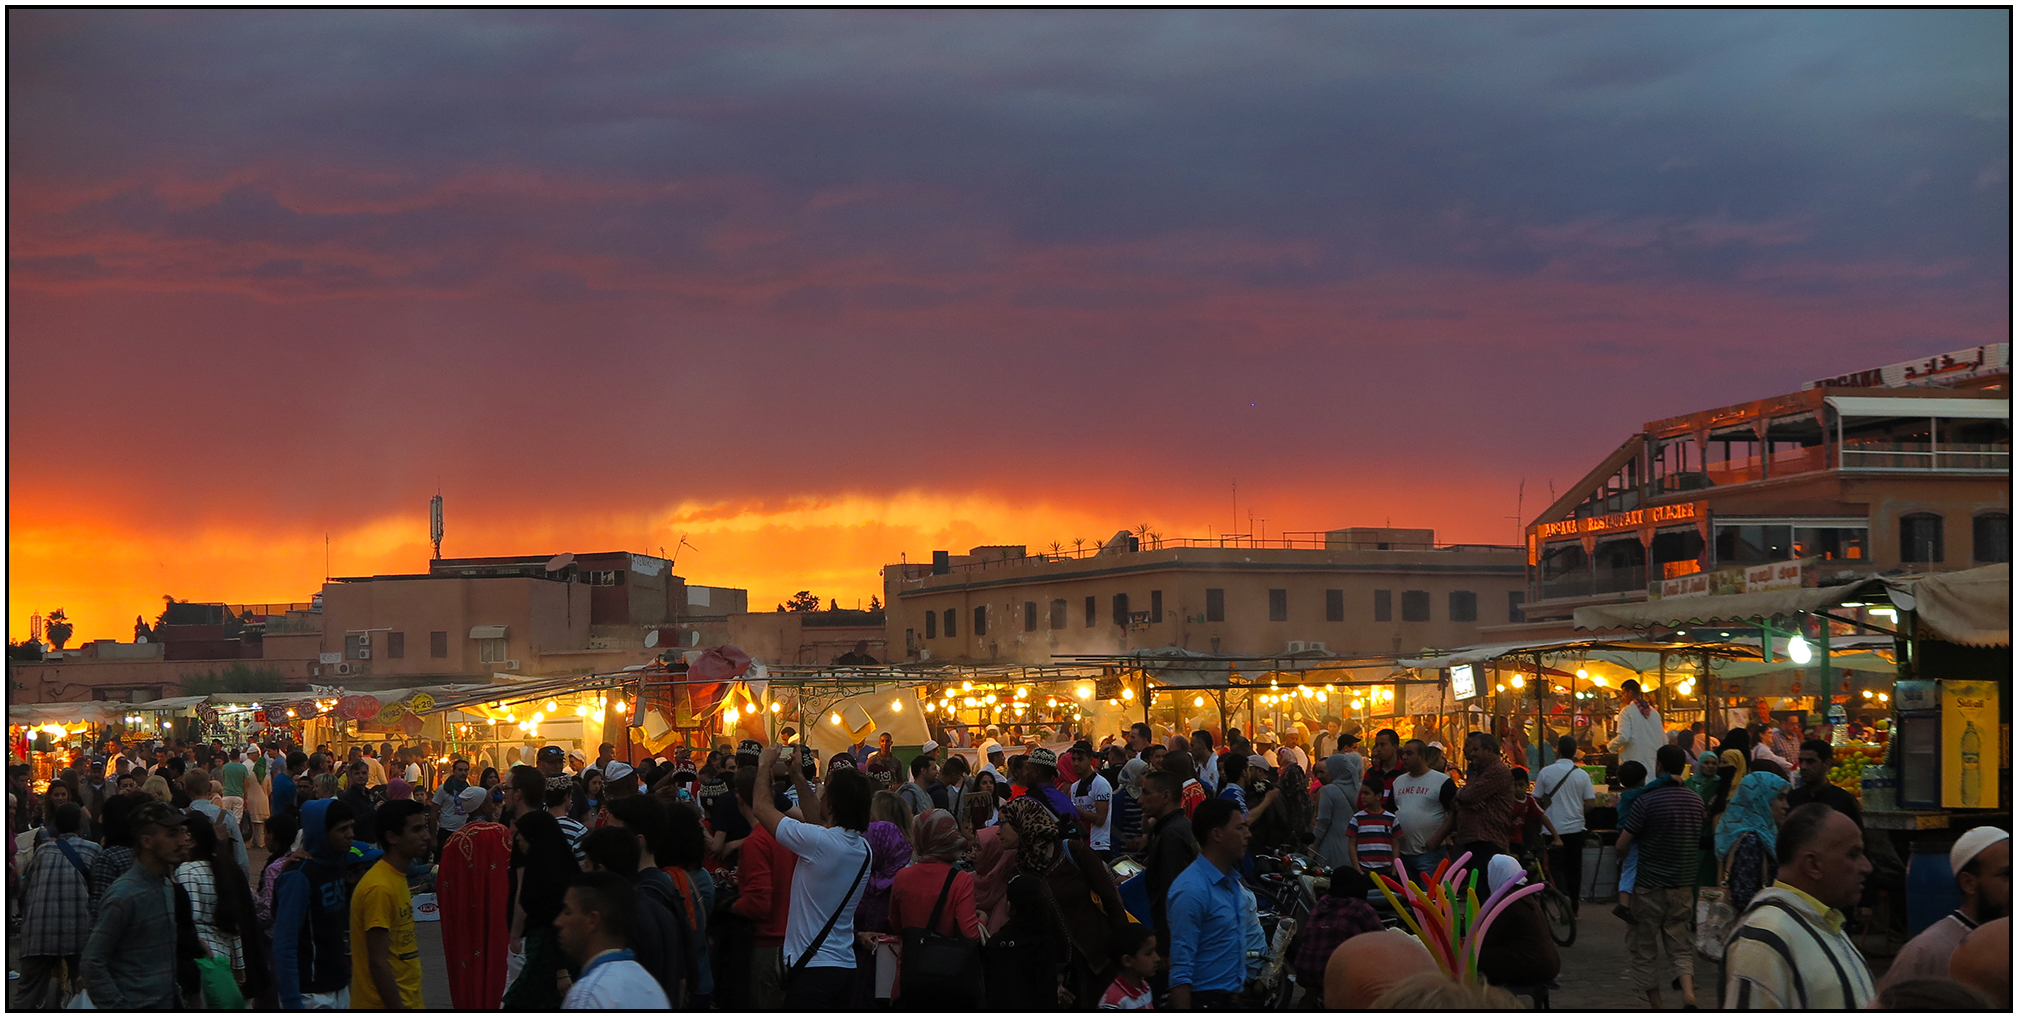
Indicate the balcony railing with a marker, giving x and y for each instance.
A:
(1990, 458)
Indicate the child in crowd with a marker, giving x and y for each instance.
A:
(1531, 819)
(1135, 955)
(1633, 778)
(1370, 834)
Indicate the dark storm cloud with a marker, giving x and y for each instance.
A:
(1504, 142)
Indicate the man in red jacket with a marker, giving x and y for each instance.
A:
(764, 883)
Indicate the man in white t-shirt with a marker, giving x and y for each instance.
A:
(1569, 793)
(593, 930)
(1092, 799)
(1422, 799)
(827, 884)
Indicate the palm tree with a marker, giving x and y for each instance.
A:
(1078, 546)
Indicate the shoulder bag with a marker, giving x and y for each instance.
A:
(944, 969)
(1714, 915)
(806, 956)
(1549, 797)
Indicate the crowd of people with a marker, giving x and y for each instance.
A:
(757, 876)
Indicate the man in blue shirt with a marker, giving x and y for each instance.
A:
(1209, 917)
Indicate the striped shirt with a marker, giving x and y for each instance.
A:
(1789, 951)
(1373, 838)
(1667, 826)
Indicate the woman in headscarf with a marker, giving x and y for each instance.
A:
(917, 890)
(1747, 836)
(1336, 803)
(542, 865)
(1712, 782)
(890, 852)
(1053, 896)
(1517, 948)
(398, 788)
(977, 804)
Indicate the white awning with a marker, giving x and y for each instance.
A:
(488, 632)
(1970, 607)
(1919, 406)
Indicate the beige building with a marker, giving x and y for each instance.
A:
(1358, 592)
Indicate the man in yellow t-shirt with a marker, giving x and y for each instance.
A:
(384, 952)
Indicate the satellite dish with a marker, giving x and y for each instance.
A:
(652, 638)
(560, 561)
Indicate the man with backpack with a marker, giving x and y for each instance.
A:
(1564, 792)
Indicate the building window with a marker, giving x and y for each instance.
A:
(951, 629)
(437, 643)
(1463, 606)
(931, 625)
(1920, 538)
(980, 620)
(1993, 537)
(1334, 606)
(491, 651)
(1514, 600)
(395, 645)
(1215, 604)
(1415, 606)
(357, 646)
(1383, 606)
(1058, 613)
(1155, 606)
(1121, 610)
(1029, 616)
(1092, 611)
(1278, 604)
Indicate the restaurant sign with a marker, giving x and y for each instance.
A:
(1735, 580)
(1948, 368)
(1632, 519)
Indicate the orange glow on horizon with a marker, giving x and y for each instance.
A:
(104, 572)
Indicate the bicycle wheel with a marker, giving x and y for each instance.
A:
(1562, 921)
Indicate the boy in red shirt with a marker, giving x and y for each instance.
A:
(1135, 954)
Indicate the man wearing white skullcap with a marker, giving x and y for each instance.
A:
(1981, 860)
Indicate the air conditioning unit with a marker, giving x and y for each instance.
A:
(1296, 647)
(1317, 645)
(344, 668)
(511, 665)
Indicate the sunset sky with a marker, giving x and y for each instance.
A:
(818, 289)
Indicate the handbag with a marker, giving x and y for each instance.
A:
(946, 968)
(1714, 914)
(806, 956)
(220, 987)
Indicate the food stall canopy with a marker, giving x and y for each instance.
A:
(1488, 651)
(94, 711)
(1178, 668)
(1715, 608)
(1971, 607)
(172, 703)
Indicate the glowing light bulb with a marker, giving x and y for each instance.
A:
(1501, 687)
(582, 711)
(990, 698)
(492, 722)
(1084, 692)
(1600, 680)
(1019, 712)
(834, 718)
(968, 702)
(1127, 692)
(1051, 702)
(1581, 674)
(1798, 650)
(928, 708)
(1022, 691)
(1116, 702)
(511, 716)
(1518, 682)
(1358, 704)
(1198, 701)
(776, 706)
(896, 705)
(966, 685)
(1884, 698)
(1323, 696)
(552, 706)
(290, 713)
(1868, 694)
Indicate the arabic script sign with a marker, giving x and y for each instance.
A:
(1989, 359)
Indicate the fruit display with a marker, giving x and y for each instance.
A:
(1851, 759)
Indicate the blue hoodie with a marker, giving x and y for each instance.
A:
(312, 909)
